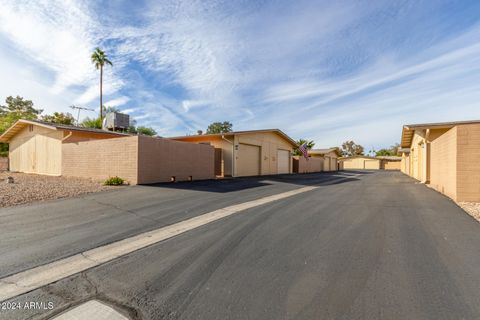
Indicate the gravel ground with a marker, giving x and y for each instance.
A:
(472, 208)
(31, 187)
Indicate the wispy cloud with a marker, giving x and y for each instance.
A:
(324, 71)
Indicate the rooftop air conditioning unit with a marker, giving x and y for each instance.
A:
(117, 121)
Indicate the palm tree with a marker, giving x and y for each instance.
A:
(99, 59)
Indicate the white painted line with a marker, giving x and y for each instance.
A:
(37, 277)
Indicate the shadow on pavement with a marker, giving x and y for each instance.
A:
(237, 184)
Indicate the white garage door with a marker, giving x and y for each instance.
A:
(248, 160)
(283, 161)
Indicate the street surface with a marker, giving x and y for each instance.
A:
(363, 245)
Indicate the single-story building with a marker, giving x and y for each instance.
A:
(302, 165)
(329, 156)
(360, 163)
(56, 149)
(444, 155)
(390, 162)
(248, 153)
(371, 163)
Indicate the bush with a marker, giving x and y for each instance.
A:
(114, 181)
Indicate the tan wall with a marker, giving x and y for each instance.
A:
(361, 163)
(3, 163)
(77, 136)
(468, 163)
(417, 156)
(391, 165)
(301, 165)
(36, 150)
(217, 142)
(269, 144)
(159, 159)
(101, 159)
(443, 163)
(405, 163)
(330, 161)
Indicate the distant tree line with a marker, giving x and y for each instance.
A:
(16, 108)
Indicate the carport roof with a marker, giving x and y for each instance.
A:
(20, 124)
(233, 133)
(409, 129)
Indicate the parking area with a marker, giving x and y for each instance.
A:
(370, 243)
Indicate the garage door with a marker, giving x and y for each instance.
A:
(248, 160)
(326, 164)
(371, 164)
(283, 161)
(333, 164)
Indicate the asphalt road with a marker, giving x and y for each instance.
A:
(373, 246)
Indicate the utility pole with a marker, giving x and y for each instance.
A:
(80, 108)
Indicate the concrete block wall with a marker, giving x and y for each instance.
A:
(160, 159)
(443, 163)
(301, 165)
(468, 164)
(101, 159)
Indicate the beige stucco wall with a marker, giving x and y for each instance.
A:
(159, 159)
(405, 163)
(301, 165)
(391, 165)
(418, 155)
(443, 163)
(468, 164)
(269, 144)
(330, 161)
(360, 163)
(35, 149)
(101, 159)
(225, 144)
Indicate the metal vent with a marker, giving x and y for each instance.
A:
(117, 121)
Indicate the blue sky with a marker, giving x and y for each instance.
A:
(329, 71)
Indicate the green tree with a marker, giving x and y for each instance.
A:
(337, 151)
(350, 149)
(59, 117)
(146, 131)
(310, 145)
(99, 59)
(15, 109)
(95, 123)
(392, 151)
(219, 127)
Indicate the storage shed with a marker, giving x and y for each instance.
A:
(361, 163)
(444, 155)
(54, 149)
(36, 146)
(249, 153)
(329, 156)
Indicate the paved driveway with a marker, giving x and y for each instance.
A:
(372, 245)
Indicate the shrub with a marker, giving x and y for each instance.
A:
(114, 181)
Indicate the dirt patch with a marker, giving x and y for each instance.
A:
(31, 187)
(472, 208)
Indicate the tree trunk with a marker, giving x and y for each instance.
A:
(101, 92)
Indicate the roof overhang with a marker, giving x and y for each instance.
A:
(18, 126)
(409, 130)
(236, 133)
